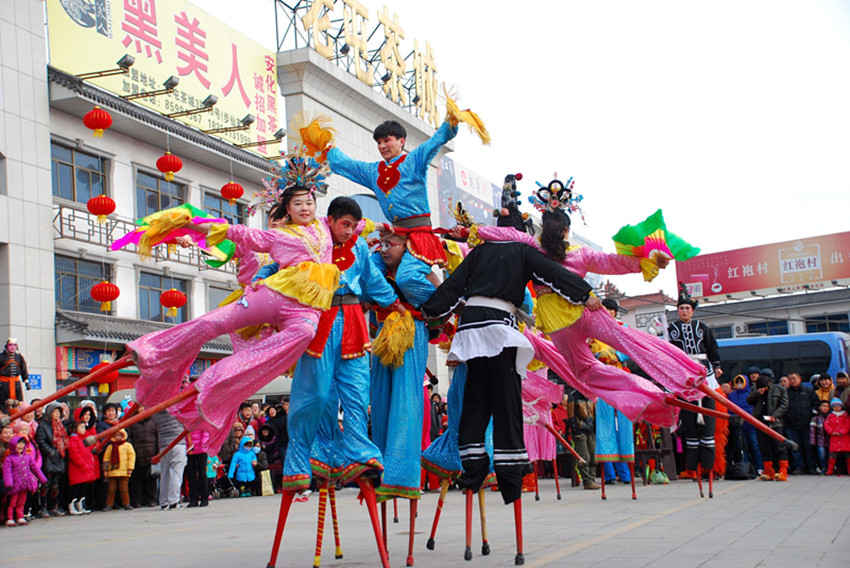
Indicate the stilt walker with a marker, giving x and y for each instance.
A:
(492, 278)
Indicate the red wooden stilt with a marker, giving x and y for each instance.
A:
(320, 525)
(732, 407)
(395, 510)
(632, 474)
(121, 363)
(536, 485)
(368, 491)
(564, 443)
(413, 504)
(332, 499)
(384, 525)
(672, 401)
(285, 503)
(602, 479)
(557, 480)
(519, 559)
(444, 489)
(485, 545)
(699, 479)
(467, 553)
(146, 413)
(711, 484)
(156, 459)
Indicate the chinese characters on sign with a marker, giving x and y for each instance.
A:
(789, 266)
(172, 37)
(318, 25)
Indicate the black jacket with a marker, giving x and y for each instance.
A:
(802, 404)
(774, 402)
(143, 436)
(52, 460)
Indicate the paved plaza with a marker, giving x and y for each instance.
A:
(802, 523)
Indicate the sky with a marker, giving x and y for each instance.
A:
(731, 116)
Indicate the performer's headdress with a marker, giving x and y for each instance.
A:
(13, 340)
(556, 196)
(685, 298)
(460, 214)
(297, 170)
(510, 202)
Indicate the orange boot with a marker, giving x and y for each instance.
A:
(783, 471)
(768, 474)
(830, 467)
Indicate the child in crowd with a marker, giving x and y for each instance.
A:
(21, 478)
(213, 465)
(242, 466)
(837, 425)
(818, 438)
(82, 469)
(119, 460)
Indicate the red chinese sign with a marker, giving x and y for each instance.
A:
(778, 267)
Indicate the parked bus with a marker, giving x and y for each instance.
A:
(806, 354)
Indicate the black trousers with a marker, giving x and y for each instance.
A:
(196, 474)
(142, 486)
(772, 451)
(493, 389)
(699, 438)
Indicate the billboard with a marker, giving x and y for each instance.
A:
(170, 37)
(457, 183)
(789, 266)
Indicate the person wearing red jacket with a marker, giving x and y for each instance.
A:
(83, 470)
(837, 425)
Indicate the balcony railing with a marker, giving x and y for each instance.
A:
(77, 224)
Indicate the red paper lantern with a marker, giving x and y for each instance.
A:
(105, 293)
(232, 191)
(98, 120)
(107, 378)
(101, 205)
(172, 299)
(169, 164)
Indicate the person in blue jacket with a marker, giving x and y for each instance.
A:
(242, 466)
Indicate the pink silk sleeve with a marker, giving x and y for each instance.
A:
(489, 233)
(606, 263)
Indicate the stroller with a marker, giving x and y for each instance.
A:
(223, 487)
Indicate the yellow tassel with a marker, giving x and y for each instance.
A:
(394, 339)
(101, 219)
(455, 116)
(105, 306)
(172, 313)
(169, 176)
(98, 133)
(315, 132)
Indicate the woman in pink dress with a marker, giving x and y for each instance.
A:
(291, 300)
(569, 326)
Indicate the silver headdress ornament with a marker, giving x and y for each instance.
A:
(557, 195)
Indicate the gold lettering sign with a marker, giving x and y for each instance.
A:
(391, 56)
(313, 22)
(354, 18)
(425, 81)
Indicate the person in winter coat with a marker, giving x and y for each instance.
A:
(818, 438)
(231, 445)
(196, 469)
(770, 403)
(267, 438)
(581, 423)
(824, 388)
(242, 466)
(21, 478)
(119, 460)
(837, 425)
(52, 440)
(144, 437)
(842, 387)
(740, 391)
(83, 470)
(173, 463)
(802, 405)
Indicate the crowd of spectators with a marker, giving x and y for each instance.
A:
(49, 470)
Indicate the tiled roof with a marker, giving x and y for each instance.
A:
(95, 327)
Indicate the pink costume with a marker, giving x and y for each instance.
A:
(538, 396)
(291, 300)
(636, 398)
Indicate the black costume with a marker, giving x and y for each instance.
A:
(695, 339)
(12, 368)
(493, 278)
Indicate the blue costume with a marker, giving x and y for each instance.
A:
(401, 187)
(335, 370)
(615, 441)
(241, 464)
(397, 409)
